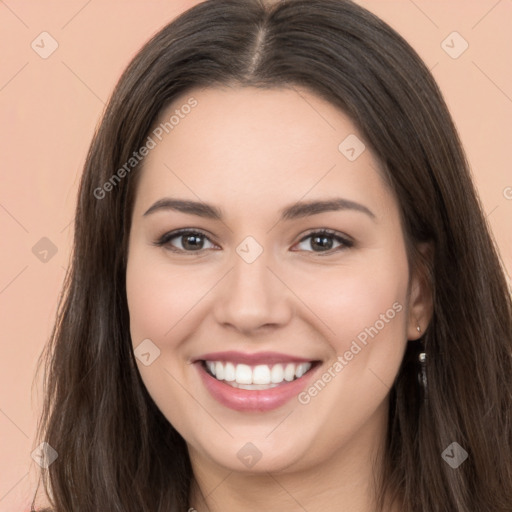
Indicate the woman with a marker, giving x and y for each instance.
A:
(342, 338)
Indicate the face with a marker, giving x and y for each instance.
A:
(301, 311)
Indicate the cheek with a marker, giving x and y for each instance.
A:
(370, 305)
(158, 300)
(364, 309)
(159, 296)
(350, 300)
(365, 313)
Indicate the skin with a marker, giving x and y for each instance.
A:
(251, 152)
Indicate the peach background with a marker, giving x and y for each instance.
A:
(49, 109)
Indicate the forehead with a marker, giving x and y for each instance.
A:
(238, 145)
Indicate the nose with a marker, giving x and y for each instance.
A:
(253, 297)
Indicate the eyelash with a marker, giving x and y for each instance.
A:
(167, 237)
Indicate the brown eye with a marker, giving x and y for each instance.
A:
(324, 240)
(187, 241)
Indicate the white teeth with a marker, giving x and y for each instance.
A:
(252, 386)
(277, 374)
(262, 376)
(211, 366)
(229, 372)
(219, 370)
(243, 374)
(302, 369)
(289, 372)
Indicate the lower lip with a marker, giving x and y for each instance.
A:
(253, 400)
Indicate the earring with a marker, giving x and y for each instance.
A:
(422, 374)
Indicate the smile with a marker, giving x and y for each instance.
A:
(254, 382)
(262, 376)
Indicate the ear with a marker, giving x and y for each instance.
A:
(420, 305)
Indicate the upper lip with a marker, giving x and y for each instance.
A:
(252, 359)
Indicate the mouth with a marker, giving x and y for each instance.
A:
(258, 377)
(257, 382)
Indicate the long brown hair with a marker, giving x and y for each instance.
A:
(116, 450)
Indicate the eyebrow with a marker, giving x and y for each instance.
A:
(295, 211)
